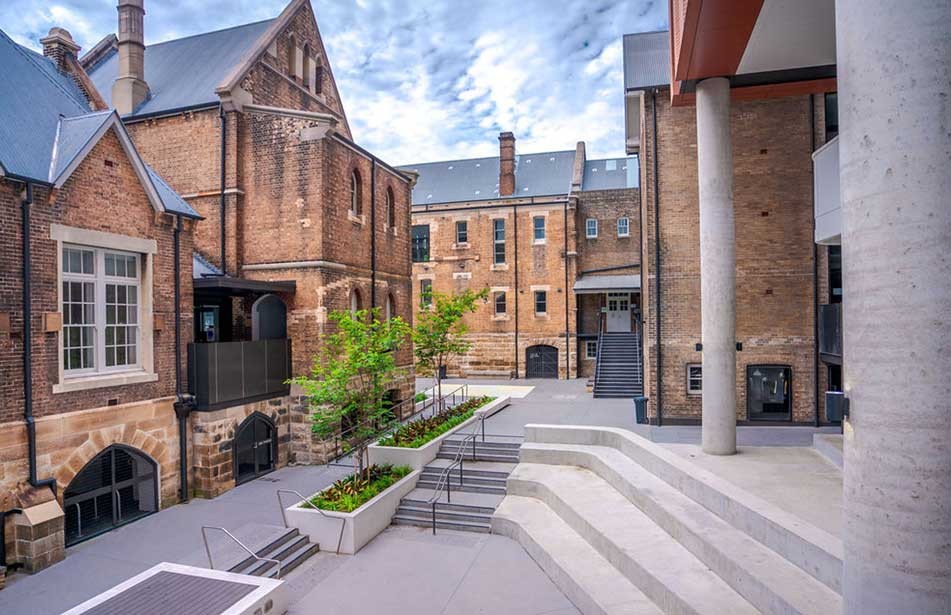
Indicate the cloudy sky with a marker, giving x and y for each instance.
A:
(427, 80)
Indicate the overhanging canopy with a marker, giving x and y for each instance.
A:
(239, 286)
(591, 284)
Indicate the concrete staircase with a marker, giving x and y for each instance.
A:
(623, 525)
(286, 545)
(619, 370)
(474, 491)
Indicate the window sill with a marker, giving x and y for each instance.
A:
(499, 267)
(500, 317)
(461, 246)
(361, 219)
(623, 236)
(101, 381)
(539, 242)
(541, 315)
(590, 237)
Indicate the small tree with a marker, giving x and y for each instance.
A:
(439, 332)
(348, 380)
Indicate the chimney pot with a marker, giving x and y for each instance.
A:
(506, 164)
(59, 45)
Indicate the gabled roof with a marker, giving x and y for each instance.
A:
(203, 268)
(646, 60)
(184, 73)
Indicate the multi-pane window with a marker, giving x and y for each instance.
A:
(100, 306)
(694, 379)
(425, 293)
(462, 231)
(591, 228)
(538, 229)
(591, 349)
(498, 241)
(500, 302)
(420, 243)
(623, 227)
(541, 302)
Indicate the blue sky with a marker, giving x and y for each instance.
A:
(431, 80)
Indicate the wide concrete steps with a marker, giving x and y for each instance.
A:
(584, 575)
(764, 578)
(650, 558)
(288, 546)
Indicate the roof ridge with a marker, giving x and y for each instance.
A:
(196, 35)
(417, 164)
(28, 55)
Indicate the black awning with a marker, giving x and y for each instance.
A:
(228, 285)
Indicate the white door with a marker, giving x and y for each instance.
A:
(619, 313)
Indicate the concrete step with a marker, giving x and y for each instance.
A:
(480, 456)
(261, 539)
(463, 498)
(444, 506)
(811, 548)
(767, 580)
(467, 471)
(290, 562)
(465, 487)
(580, 572)
(445, 524)
(483, 444)
(290, 554)
(467, 479)
(659, 566)
(444, 515)
(490, 466)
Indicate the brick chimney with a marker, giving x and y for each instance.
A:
(506, 164)
(130, 88)
(59, 46)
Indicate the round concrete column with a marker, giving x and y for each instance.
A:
(894, 93)
(717, 266)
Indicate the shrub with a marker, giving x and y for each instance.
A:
(417, 433)
(353, 491)
(420, 397)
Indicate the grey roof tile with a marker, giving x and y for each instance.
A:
(610, 174)
(184, 72)
(202, 268)
(170, 199)
(73, 135)
(646, 60)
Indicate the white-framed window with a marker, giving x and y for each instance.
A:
(623, 227)
(498, 241)
(500, 307)
(356, 193)
(425, 293)
(591, 349)
(100, 301)
(694, 379)
(462, 231)
(538, 229)
(591, 228)
(541, 302)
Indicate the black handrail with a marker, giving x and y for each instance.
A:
(597, 359)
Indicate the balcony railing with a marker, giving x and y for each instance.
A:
(830, 332)
(232, 373)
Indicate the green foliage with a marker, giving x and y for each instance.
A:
(417, 433)
(420, 397)
(348, 379)
(353, 491)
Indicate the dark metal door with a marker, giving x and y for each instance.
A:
(254, 449)
(541, 362)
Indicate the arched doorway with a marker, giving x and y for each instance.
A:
(541, 362)
(255, 448)
(117, 486)
(269, 318)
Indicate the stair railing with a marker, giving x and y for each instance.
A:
(343, 520)
(444, 482)
(204, 537)
(597, 359)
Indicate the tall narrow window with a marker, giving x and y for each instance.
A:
(420, 243)
(319, 78)
(462, 231)
(425, 293)
(308, 67)
(356, 193)
(354, 301)
(623, 227)
(292, 56)
(390, 311)
(591, 228)
(498, 241)
(390, 208)
(500, 307)
(538, 229)
(835, 274)
(541, 302)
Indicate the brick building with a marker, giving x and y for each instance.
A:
(781, 275)
(95, 312)
(298, 217)
(553, 236)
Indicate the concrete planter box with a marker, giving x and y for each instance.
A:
(416, 458)
(359, 526)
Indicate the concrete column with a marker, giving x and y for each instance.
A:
(717, 266)
(894, 85)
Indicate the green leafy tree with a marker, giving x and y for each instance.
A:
(348, 380)
(439, 333)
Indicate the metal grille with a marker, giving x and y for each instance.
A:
(255, 448)
(541, 362)
(171, 592)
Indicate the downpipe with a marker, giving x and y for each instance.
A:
(184, 403)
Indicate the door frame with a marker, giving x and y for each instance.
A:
(249, 423)
(527, 363)
(618, 297)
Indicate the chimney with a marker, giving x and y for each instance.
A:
(59, 46)
(506, 164)
(130, 88)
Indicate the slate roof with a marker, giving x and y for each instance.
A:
(202, 268)
(172, 202)
(33, 96)
(72, 136)
(646, 60)
(184, 72)
(606, 283)
(542, 174)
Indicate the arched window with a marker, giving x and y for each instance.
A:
(390, 307)
(356, 193)
(308, 63)
(390, 208)
(292, 56)
(318, 77)
(354, 301)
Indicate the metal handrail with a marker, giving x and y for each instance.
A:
(204, 537)
(443, 482)
(597, 359)
(343, 520)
